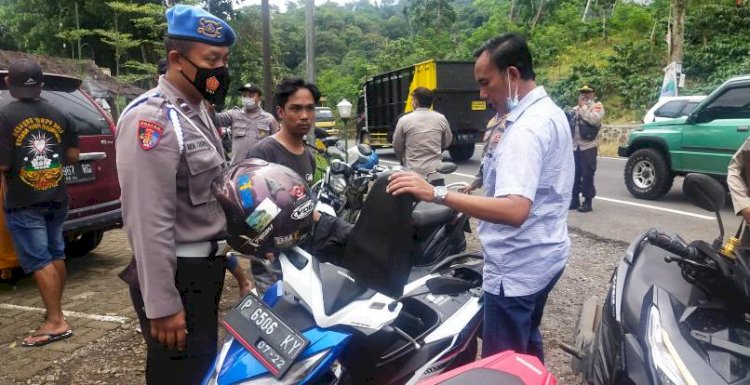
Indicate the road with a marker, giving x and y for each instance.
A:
(617, 214)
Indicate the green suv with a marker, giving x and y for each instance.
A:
(703, 142)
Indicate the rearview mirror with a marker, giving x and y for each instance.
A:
(335, 152)
(448, 285)
(446, 168)
(338, 167)
(704, 192)
(364, 149)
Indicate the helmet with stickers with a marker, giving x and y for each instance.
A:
(268, 206)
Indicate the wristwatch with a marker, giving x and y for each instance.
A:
(439, 193)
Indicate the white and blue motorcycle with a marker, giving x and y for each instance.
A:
(376, 318)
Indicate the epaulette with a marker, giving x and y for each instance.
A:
(153, 98)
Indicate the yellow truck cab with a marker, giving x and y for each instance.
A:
(324, 119)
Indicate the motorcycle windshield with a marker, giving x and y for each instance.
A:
(379, 247)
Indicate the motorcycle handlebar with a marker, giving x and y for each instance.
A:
(664, 241)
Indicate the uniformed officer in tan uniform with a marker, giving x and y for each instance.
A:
(585, 149)
(737, 179)
(249, 124)
(168, 152)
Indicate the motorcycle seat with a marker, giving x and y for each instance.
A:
(482, 376)
(340, 288)
(428, 214)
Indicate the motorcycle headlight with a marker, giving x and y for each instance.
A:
(667, 364)
(338, 184)
(296, 373)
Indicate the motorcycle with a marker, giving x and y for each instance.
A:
(676, 313)
(506, 368)
(374, 319)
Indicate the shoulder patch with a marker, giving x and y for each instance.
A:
(149, 133)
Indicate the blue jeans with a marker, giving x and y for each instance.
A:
(512, 323)
(37, 234)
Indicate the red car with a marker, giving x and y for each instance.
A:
(92, 182)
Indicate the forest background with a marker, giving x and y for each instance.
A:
(618, 46)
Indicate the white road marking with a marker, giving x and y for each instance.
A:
(613, 158)
(68, 313)
(650, 207)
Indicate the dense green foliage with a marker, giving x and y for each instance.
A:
(619, 46)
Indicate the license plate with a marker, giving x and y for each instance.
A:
(275, 344)
(79, 173)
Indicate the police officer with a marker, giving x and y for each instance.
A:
(587, 119)
(168, 152)
(249, 124)
(738, 179)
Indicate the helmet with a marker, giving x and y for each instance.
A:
(369, 164)
(361, 154)
(268, 206)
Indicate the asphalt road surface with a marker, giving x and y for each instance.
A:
(618, 215)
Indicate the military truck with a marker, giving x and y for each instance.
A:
(384, 97)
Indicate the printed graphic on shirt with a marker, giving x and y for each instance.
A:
(39, 139)
(149, 134)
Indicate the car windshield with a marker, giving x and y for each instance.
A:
(324, 115)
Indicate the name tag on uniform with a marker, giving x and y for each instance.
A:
(196, 146)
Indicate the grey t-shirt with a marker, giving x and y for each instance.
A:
(270, 150)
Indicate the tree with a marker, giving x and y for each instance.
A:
(677, 30)
(423, 14)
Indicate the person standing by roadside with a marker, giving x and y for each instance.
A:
(527, 184)
(738, 175)
(586, 120)
(36, 141)
(250, 124)
(295, 106)
(492, 135)
(422, 135)
(168, 152)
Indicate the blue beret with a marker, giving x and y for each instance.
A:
(193, 23)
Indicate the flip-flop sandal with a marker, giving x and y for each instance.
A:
(52, 338)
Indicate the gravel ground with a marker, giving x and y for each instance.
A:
(118, 358)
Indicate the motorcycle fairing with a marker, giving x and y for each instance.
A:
(507, 367)
(367, 314)
(671, 311)
(236, 364)
(649, 267)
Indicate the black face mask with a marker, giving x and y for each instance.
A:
(212, 83)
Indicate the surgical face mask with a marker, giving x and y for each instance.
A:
(249, 103)
(511, 103)
(212, 83)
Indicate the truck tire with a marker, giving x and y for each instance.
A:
(83, 244)
(461, 152)
(647, 174)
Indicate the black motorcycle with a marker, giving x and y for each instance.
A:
(676, 313)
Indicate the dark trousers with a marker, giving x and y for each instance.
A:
(583, 184)
(512, 323)
(200, 282)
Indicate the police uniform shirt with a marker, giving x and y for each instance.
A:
(737, 178)
(248, 128)
(168, 152)
(593, 113)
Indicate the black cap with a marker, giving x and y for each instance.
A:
(250, 87)
(161, 66)
(25, 79)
